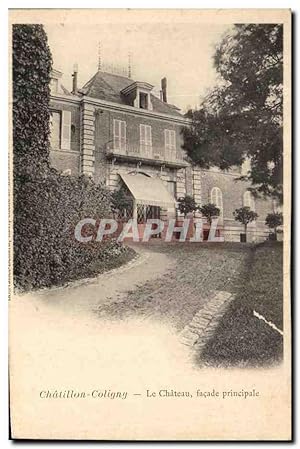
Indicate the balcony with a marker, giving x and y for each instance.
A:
(148, 154)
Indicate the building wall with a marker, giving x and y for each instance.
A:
(68, 159)
(104, 119)
(104, 134)
(233, 193)
(91, 141)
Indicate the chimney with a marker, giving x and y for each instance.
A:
(164, 89)
(74, 76)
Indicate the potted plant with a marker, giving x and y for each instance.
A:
(245, 216)
(209, 211)
(273, 221)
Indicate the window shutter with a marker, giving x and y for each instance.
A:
(148, 136)
(122, 135)
(173, 143)
(170, 143)
(116, 134)
(145, 136)
(66, 130)
(142, 135)
(55, 130)
(166, 139)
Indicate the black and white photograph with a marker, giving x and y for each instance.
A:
(150, 183)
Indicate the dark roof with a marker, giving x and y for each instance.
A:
(108, 86)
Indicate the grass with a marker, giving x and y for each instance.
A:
(241, 339)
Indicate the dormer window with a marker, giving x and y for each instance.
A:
(54, 85)
(138, 94)
(143, 100)
(55, 77)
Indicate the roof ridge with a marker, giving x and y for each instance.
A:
(103, 80)
(119, 76)
(87, 84)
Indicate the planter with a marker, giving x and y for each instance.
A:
(243, 237)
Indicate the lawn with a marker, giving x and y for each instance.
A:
(241, 338)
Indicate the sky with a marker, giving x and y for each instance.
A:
(180, 52)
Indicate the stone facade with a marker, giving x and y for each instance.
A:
(91, 151)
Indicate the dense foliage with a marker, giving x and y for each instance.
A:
(122, 203)
(46, 252)
(47, 205)
(31, 94)
(274, 220)
(245, 216)
(209, 211)
(242, 117)
(186, 204)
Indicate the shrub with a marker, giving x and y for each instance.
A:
(209, 211)
(186, 205)
(122, 203)
(245, 216)
(273, 221)
(46, 252)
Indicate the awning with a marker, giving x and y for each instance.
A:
(148, 190)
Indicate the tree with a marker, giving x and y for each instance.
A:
(186, 205)
(241, 118)
(245, 216)
(122, 202)
(273, 221)
(209, 211)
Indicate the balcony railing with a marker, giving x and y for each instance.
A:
(162, 154)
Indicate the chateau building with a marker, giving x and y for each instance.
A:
(117, 131)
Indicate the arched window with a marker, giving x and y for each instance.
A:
(249, 200)
(217, 199)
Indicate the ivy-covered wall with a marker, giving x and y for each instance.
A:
(47, 205)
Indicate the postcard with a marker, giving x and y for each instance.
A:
(150, 192)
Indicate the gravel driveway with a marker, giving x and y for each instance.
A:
(198, 270)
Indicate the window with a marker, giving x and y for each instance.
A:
(66, 130)
(249, 201)
(145, 212)
(171, 187)
(60, 130)
(143, 101)
(145, 139)
(217, 199)
(55, 122)
(170, 140)
(119, 135)
(54, 85)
